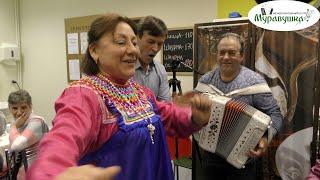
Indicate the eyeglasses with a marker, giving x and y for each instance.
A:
(231, 53)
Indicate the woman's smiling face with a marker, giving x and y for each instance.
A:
(117, 53)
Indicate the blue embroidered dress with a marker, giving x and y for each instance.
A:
(103, 123)
(132, 147)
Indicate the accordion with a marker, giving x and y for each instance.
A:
(234, 128)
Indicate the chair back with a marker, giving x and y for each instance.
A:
(14, 161)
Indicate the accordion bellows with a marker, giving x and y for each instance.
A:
(234, 128)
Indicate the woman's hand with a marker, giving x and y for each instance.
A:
(183, 100)
(201, 109)
(89, 172)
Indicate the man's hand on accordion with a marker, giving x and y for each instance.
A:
(260, 149)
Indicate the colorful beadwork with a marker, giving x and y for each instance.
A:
(129, 98)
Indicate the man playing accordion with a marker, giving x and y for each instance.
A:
(230, 78)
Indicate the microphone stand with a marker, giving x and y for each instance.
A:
(198, 72)
(195, 147)
(15, 82)
(175, 83)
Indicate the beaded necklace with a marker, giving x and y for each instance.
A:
(129, 98)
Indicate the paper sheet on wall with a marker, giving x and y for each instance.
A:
(83, 42)
(74, 69)
(72, 40)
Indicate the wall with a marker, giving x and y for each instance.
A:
(7, 35)
(241, 6)
(43, 43)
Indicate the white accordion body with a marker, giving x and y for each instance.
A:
(234, 128)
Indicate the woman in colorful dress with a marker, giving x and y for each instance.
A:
(107, 119)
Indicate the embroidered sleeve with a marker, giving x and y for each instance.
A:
(75, 131)
(176, 119)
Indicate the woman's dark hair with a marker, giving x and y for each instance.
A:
(154, 26)
(20, 96)
(99, 27)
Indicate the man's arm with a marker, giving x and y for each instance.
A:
(266, 103)
(164, 91)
